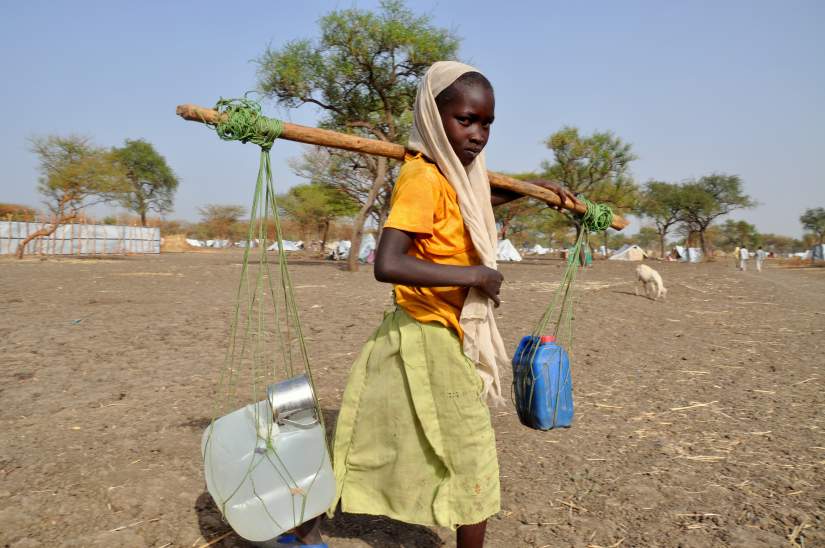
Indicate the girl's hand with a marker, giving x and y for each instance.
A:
(562, 192)
(488, 281)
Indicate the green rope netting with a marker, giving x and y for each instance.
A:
(266, 341)
(559, 312)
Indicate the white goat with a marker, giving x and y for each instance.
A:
(651, 281)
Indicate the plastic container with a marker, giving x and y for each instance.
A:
(267, 478)
(542, 384)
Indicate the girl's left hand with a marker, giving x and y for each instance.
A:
(562, 192)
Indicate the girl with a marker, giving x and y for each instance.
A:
(414, 440)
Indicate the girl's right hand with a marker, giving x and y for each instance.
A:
(488, 281)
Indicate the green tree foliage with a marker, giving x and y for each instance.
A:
(596, 165)
(316, 206)
(521, 220)
(362, 73)
(17, 212)
(734, 234)
(708, 198)
(780, 244)
(616, 240)
(661, 203)
(345, 172)
(222, 222)
(153, 183)
(73, 174)
(647, 236)
(813, 220)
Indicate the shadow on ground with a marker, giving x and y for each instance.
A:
(374, 531)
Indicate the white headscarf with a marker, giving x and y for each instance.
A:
(482, 341)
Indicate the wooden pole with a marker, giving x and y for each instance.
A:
(333, 139)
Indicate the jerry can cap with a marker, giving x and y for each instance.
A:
(547, 339)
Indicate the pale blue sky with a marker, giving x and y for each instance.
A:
(696, 87)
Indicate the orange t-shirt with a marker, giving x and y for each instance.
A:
(425, 203)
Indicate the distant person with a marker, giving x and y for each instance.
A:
(744, 254)
(736, 258)
(760, 258)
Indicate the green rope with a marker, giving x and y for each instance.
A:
(265, 317)
(597, 218)
(242, 121)
(559, 312)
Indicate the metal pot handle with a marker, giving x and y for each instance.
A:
(301, 425)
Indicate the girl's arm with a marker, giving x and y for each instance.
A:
(393, 265)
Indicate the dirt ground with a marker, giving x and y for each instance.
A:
(699, 419)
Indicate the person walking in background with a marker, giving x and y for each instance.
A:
(760, 258)
(736, 258)
(743, 258)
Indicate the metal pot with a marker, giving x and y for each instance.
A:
(293, 402)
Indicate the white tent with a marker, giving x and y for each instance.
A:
(694, 254)
(194, 243)
(629, 252)
(539, 250)
(367, 248)
(506, 251)
(341, 250)
(289, 245)
(688, 254)
(219, 244)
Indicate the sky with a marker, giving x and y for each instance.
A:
(695, 86)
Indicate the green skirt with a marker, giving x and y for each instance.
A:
(414, 440)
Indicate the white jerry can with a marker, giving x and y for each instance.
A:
(267, 466)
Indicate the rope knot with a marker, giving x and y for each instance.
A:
(597, 218)
(242, 121)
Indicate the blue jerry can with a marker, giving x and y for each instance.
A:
(542, 384)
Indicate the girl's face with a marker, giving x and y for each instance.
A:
(467, 119)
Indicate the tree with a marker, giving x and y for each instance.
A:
(73, 174)
(708, 198)
(814, 221)
(316, 206)
(221, 221)
(738, 233)
(520, 218)
(17, 212)
(153, 183)
(362, 73)
(780, 244)
(661, 203)
(615, 240)
(597, 166)
(647, 236)
(345, 172)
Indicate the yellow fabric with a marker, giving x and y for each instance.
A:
(414, 440)
(424, 202)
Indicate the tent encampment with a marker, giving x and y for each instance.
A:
(688, 254)
(366, 254)
(289, 245)
(507, 252)
(629, 252)
(341, 250)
